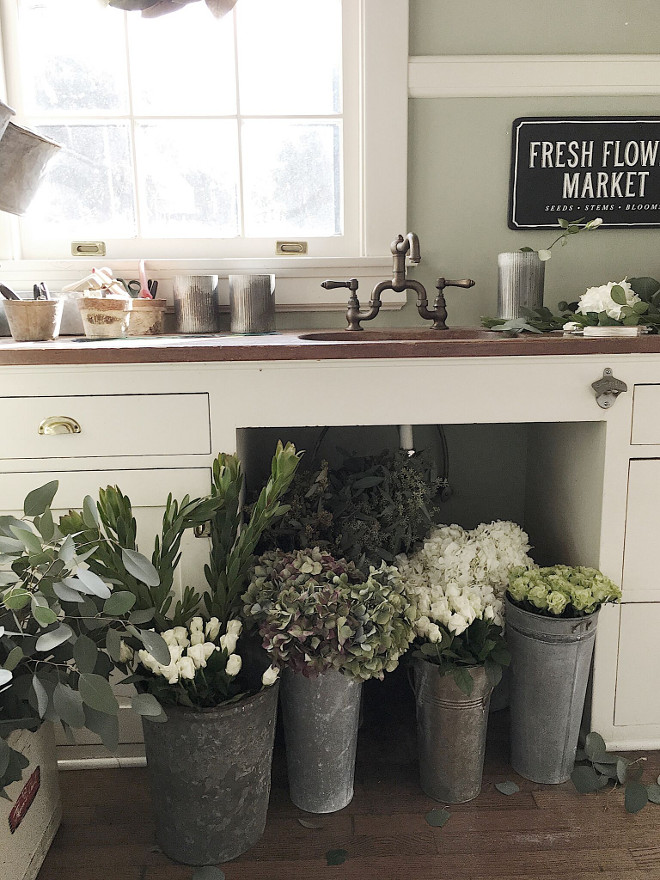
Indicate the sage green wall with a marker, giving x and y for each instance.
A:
(459, 151)
(534, 27)
(459, 148)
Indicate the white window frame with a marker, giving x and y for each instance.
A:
(379, 36)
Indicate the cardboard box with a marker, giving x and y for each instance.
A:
(29, 822)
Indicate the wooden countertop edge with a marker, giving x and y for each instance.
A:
(291, 347)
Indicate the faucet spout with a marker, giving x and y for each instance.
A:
(409, 244)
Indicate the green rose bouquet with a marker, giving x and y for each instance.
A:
(561, 590)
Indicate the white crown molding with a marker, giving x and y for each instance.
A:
(502, 76)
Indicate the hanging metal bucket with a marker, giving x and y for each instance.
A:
(520, 281)
(321, 717)
(451, 733)
(24, 155)
(209, 773)
(5, 115)
(550, 663)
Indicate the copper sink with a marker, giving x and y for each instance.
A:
(412, 334)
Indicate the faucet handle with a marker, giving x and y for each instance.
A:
(443, 282)
(351, 284)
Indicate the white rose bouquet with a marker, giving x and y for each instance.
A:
(457, 579)
(204, 666)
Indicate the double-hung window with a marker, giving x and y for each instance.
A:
(189, 137)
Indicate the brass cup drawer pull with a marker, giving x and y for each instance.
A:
(59, 425)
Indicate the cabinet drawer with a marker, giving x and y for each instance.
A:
(104, 425)
(637, 694)
(641, 580)
(646, 415)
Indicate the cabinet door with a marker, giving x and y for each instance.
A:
(641, 578)
(148, 490)
(637, 700)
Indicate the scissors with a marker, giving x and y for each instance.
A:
(133, 287)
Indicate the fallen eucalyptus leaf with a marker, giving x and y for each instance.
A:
(437, 818)
(636, 797)
(332, 857)
(653, 793)
(307, 824)
(507, 787)
(585, 780)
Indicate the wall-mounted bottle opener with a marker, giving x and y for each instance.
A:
(608, 389)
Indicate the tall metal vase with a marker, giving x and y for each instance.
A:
(520, 280)
(451, 732)
(209, 773)
(550, 664)
(321, 717)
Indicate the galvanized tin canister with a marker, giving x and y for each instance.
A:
(550, 664)
(321, 717)
(24, 155)
(451, 733)
(252, 303)
(520, 280)
(196, 303)
(209, 773)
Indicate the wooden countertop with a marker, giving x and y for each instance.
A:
(311, 345)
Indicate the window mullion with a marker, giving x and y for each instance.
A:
(239, 133)
(137, 201)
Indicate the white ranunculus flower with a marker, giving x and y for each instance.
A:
(197, 637)
(457, 624)
(169, 637)
(125, 652)
(196, 623)
(186, 667)
(198, 655)
(234, 628)
(171, 672)
(270, 676)
(234, 664)
(181, 635)
(212, 629)
(228, 642)
(147, 660)
(209, 648)
(599, 299)
(176, 652)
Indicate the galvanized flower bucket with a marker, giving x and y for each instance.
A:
(451, 732)
(550, 664)
(321, 717)
(209, 773)
(5, 115)
(24, 155)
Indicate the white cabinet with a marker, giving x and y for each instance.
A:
(637, 701)
(641, 574)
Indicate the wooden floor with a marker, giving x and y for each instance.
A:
(541, 832)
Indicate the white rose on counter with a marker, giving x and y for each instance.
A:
(599, 299)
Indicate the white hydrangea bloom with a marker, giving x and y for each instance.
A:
(459, 576)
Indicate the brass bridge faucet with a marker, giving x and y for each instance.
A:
(399, 247)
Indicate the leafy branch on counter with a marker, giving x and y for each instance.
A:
(597, 769)
(542, 320)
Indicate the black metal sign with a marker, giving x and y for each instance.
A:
(585, 166)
